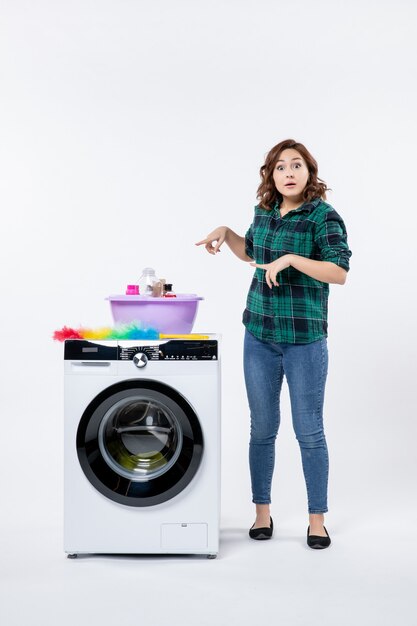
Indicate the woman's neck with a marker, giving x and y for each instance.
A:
(289, 206)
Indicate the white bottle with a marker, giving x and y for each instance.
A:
(146, 281)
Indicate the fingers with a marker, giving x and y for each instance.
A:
(208, 244)
(270, 275)
(218, 244)
(210, 249)
(268, 280)
(271, 279)
(206, 241)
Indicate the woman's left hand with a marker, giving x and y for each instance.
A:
(272, 269)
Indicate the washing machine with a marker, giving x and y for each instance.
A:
(142, 447)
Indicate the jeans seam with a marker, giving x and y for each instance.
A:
(319, 423)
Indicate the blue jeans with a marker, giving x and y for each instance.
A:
(305, 368)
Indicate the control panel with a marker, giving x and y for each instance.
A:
(172, 350)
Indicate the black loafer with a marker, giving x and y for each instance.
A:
(315, 541)
(262, 533)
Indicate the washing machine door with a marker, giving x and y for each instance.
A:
(139, 442)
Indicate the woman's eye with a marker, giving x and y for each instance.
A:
(280, 167)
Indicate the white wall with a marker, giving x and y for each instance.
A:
(128, 131)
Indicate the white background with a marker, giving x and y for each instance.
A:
(129, 130)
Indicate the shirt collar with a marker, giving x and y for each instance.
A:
(306, 206)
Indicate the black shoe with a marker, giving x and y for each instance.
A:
(315, 541)
(261, 533)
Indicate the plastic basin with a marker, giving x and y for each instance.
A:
(166, 315)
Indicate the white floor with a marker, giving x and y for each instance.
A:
(366, 577)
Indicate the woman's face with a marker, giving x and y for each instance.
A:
(290, 173)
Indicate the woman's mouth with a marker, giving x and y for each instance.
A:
(290, 185)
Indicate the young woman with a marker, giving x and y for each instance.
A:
(298, 243)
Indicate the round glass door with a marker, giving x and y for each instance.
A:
(140, 438)
(139, 442)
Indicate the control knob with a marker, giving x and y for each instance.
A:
(140, 359)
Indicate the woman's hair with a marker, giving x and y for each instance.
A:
(268, 194)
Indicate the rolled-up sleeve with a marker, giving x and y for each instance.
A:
(249, 242)
(331, 240)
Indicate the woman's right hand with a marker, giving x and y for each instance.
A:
(218, 235)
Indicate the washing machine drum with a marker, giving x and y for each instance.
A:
(139, 442)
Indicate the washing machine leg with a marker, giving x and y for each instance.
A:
(212, 556)
(72, 556)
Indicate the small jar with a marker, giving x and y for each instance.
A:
(157, 289)
(168, 293)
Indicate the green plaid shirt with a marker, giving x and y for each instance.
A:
(296, 311)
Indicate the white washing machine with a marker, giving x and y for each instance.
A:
(142, 447)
